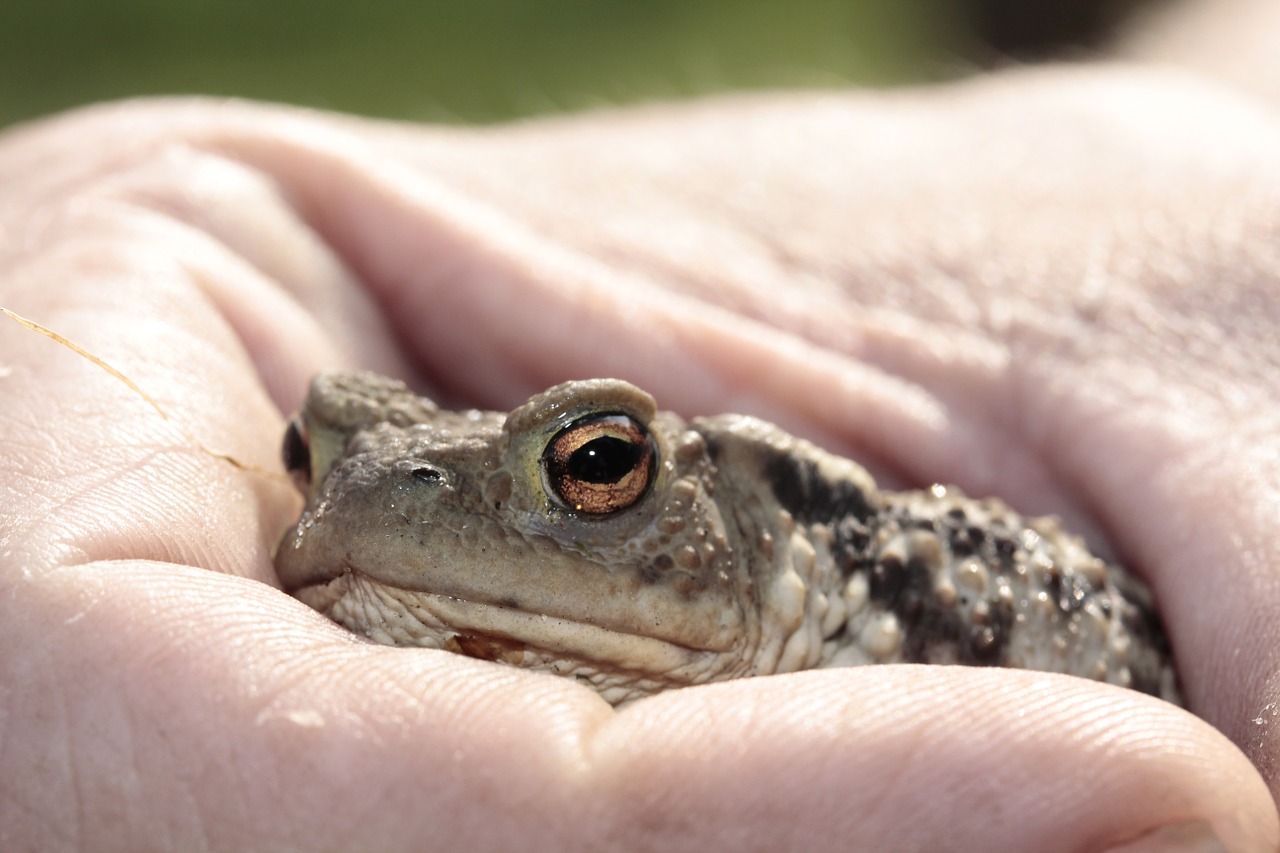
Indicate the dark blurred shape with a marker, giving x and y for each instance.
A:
(1040, 29)
(456, 60)
(468, 61)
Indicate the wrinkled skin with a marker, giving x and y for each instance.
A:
(1055, 286)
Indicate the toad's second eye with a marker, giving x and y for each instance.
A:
(599, 464)
(297, 454)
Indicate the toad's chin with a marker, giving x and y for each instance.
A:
(398, 617)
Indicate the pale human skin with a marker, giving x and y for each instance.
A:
(1055, 286)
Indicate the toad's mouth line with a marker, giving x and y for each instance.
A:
(379, 610)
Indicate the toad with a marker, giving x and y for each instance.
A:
(589, 535)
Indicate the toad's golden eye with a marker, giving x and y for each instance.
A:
(599, 464)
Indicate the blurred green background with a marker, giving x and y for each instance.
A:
(486, 60)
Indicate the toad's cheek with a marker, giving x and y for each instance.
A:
(420, 572)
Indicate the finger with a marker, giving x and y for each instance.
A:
(153, 183)
(95, 471)
(927, 758)
(241, 714)
(160, 701)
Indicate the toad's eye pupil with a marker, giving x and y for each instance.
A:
(599, 464)
(604, 460)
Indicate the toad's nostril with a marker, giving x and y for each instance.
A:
(296, 453)
(428, 474)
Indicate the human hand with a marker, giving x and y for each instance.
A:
(1054, 287)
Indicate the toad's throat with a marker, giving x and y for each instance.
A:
(394, 616)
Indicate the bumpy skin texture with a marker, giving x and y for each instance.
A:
(745, 551)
